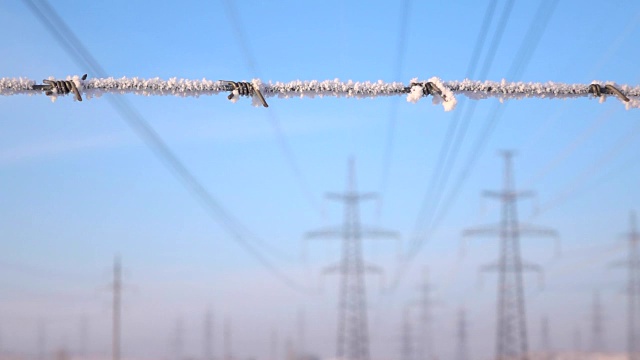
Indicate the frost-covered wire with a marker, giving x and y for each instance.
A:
(443, 92)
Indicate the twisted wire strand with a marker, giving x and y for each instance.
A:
(440, 90)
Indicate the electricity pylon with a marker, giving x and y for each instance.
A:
(301, 350)
(425, 345)
(42, 339)
(462, 349)
(83, 337)
(632, 264)
(274, 344)
(511, 339)
(597, 326)
(353, 338)
(178, 340)
(208, 336)
(406, 351)
(226, 340)
(117, 289)
(545, 339)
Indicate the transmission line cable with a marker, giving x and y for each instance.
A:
(78, 52)
(468, 115)
(529, 44)
(393, 111)
(435, 181)
(545, 128)
(531, 40)
(587, 173)
(274, 120)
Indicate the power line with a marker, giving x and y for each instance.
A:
(393, 112)
(578, 139)
(438, 180)
(286, 149)
(525, 51)
(578, 181)
(79, 53)
(468, 114)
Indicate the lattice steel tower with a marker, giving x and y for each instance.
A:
(633, 289)
(425, 345)
(406, 352)
(462, 349)
(545, 339)
(597, 326)
(353, 338)
(511, 339)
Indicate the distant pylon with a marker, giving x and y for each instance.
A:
(545, 339)
(178, 340)
(633, 289)
(597, 326)
(511, 338)
(301, 348)
(208, 336)
(83, 337)
(407, 336)
(425, 345)
(274, 344)
(226, 340)
(462, 349)
(577, 343)
(42, 340)
(117, 288)
(353, 338)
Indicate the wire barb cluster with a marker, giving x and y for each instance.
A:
(597, 90)
(244, 88)
(428, 88)
(60, 87)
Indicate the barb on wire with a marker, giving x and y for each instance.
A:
(443, 92)
(61, 87)
(597, 90)
(429, 88)
(244, 88)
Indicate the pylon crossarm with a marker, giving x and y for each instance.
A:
(524, 266)
(619, 264)
(351, 196)
(332, 269)
(527, 266)
(626, 236)
(508, 195)
(525, 229)
(373, 233)
(324, 233)
(374, 269)
(485, 230)
(494, 266)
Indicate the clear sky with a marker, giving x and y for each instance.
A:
(78, 185)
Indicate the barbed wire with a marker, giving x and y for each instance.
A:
(443, 92)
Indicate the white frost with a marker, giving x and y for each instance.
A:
(477, 90)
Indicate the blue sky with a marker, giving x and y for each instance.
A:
(79, 186)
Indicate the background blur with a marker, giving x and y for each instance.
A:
(78, 186)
